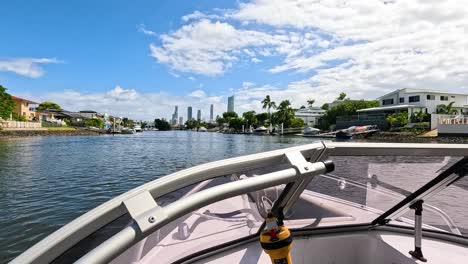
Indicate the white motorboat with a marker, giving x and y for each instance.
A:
(342, 202)
(310, 131)
(137, 128)
(261, 130)
(202, 129)
(127, 130)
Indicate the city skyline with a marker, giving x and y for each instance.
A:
(197, 54)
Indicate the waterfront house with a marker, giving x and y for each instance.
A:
(58, 117)
(88, 114)
(310, 115)
(23, 107)
(415, 100)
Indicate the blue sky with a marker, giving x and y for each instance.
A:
(141, 58)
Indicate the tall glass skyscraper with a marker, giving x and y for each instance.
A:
(199, 115)
(175, 116)
(189, 113)
(211, 112)
(230, 107)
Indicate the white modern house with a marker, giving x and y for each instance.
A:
(310, 115)
(414, 100)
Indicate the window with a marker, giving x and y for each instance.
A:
(453, 96)
(444, 98)
(387, 101)
(413, 99)
(402, 99)
(430, 97)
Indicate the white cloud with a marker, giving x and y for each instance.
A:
(120, 94)
(200, 15)
(255, 60)
(247, 84)
(29, 67)
(210, 48)
(198, 94)
(142, 29)
(365, 48)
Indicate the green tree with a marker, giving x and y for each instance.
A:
(20, 118)
(192, 124)
(236, 123)
(325, 106)
(48, 105)
(94, 122)
(221, 121)
(261, 118)
(284, 113)
(342, 96)
(391, 119)
(127, 122)
(297, 122)
(6, 103)
(311, 102)
(346, 108)
(161, 124)
(229, 115)
(402, 118)
(250, 118)
(446, 109)
(420, 116)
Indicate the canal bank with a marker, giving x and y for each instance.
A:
(46, 132)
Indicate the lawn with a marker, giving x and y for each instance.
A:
(61, 128)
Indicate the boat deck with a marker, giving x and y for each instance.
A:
(365, 247)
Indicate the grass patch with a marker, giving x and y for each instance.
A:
(61, 128)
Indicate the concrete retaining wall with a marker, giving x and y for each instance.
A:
(18, 124)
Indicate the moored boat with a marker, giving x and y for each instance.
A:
(310, 131)
(127, 130)
(137, 128)
(261, 130)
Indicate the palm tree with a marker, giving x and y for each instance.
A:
(446, 109)
(310, 102)
(342, 96)
(285, 112)
(268, 103)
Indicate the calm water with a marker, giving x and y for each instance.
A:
(45, 182)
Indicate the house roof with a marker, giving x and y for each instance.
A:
(383, 108)
(16, 98)
(414, 90)
(72, 114)
(88, 111)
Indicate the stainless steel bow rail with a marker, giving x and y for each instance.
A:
(139, 203)
(149, 217)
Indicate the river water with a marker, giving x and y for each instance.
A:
(45, 182)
